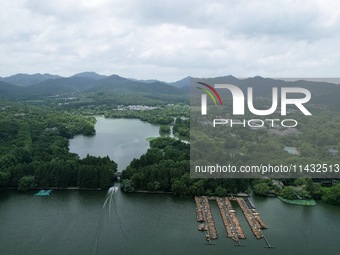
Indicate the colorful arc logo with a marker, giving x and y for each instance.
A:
(209, 92)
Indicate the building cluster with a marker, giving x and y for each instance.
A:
(136, 107)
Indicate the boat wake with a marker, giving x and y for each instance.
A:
(109, 214)
(109, 197)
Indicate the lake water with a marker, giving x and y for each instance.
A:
(77, 222)
(120, 139)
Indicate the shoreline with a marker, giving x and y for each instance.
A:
(303, 202)
(152, 192)
(55, 188)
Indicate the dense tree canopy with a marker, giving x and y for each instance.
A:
(34, 150)
(331, 195)
(165, 167)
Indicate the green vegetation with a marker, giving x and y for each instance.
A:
(182, 127)
(313, 138)
(316, 140)
(127, 186)
(34, 150)
(34, 144)
(331, 195)
(152, 116)
(298, 201)
(289, 192)
(265, 187)
(77, 91)
(150, 138)
(298, 191)
(161, 116)
(164, 129)
(165, 167)
(261, 189)
(26, 183)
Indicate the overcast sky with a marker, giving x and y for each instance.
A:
(171, 39)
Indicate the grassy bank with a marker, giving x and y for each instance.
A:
(298, 201)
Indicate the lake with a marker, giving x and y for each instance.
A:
(95, 222)
(120, 139)
(75, 222)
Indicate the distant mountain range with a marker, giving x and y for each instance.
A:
(25, 80)
(37, 86)
(91, 75)
(322, 92)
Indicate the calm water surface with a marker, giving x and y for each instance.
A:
(120, 139)
(77, 222)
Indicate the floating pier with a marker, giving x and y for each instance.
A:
(253, 218)
(230, 221)
(203, 214)
(229, 218)
(202, 227)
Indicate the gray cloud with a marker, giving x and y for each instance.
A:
(168, 40)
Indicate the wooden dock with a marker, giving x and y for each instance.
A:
(230, 221)
(260, 221)
(199, 210)
(253, 218)
(203, 214)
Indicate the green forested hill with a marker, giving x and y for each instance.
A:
(92, 88)
(24, 80)
(34, 150)
(165, 167)
(115, 89)
(10, 91)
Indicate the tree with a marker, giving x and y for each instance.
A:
(304, 194)
(88, 130)
(105, 178)
(261, 189)
(156, 185)
(332, 195)
(307, 150)
(167, 163)
(288, 192)
(27, 182)
(220, 191)
(310, 187)
(180, 188)
(4, 179)
(299, 181)
(199, 187)
(317, 191)
(127, 186)
(164, 129)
